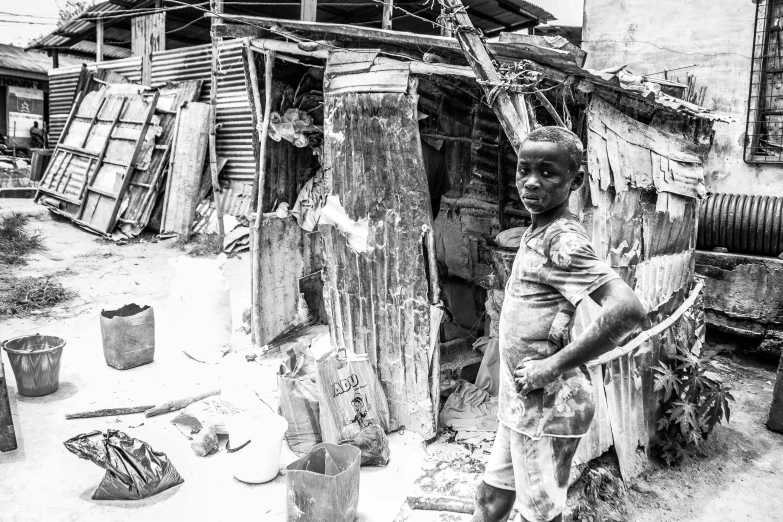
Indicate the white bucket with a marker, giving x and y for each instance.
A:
(255, 444)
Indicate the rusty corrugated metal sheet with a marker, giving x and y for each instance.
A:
(653, 252)
(234, 137)
(377, 301)
(287, 253)
(659, 278)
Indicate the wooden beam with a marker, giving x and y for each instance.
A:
(256, 312)
(509, 107)
(216, 6)
(416, 67)
(308, 10)
(99, 40)
(388, 10)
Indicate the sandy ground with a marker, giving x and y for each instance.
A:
(736, 476)
(42, 481)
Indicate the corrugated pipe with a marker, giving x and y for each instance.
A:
(742, 224)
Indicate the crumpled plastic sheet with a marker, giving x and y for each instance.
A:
(374, 445)
(133, 469)
(291, 126)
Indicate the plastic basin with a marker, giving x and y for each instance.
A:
(35, 360)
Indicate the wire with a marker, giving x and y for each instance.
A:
(29, 16)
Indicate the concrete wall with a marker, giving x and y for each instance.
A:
(744, 296)
(716, 34)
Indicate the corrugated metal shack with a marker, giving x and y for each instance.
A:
(640, 205)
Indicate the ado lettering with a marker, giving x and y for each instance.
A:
(345, 385)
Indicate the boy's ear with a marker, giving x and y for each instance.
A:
(579, 178)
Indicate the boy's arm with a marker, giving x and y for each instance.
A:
(621, 313)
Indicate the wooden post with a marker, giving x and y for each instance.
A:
(388, 9)
(148, 35)
(509, 107)
(255, 313)
(7, 434)
(502, 189)
(55, 59)
(99, 40)
(308, 10)
(216, 7)
(256, 116)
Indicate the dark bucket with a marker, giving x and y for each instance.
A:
(128, 336)
(35, 360)
(324, 484)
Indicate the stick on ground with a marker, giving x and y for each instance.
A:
(109, 412)
(180, 403)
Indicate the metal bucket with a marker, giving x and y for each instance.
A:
(35, 360)
(128, 336)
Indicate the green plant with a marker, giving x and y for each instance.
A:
(693, 404)
(15, 241)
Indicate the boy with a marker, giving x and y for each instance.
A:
(546, 398)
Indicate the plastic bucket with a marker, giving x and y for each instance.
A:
(35, 360)
(128, 336)
(254, 446)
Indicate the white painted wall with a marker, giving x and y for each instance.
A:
(716, 34)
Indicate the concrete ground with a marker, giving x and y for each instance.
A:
(42, 481)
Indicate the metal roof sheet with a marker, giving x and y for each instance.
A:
(16, 58)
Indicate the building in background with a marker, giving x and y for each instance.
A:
(731, 63)
(24, 92)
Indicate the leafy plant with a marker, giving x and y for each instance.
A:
(693, 404)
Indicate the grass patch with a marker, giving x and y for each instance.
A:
(15, 241)
(22, 296)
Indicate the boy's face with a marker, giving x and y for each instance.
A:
(545, 178)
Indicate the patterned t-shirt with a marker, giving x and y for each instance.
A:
(554, 269)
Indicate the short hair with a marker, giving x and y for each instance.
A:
(566, 139)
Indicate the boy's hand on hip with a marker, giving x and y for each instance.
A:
(533, 374)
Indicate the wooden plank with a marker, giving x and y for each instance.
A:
(308, 10)
(547, 44)
(148, 35)
(388, 10)
(255, 232)
(99, 40)
(188, 155)
(88, 180)
(7, 434)
(141, 202)
(256, 114)
(509, 107)
(392, 81)
(213, 159)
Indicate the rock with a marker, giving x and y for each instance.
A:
(721, 250)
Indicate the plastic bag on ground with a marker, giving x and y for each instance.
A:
(133, 469)
(298, 400)
(374, 445)
(201, 307)
(212, 411)
(351, 397)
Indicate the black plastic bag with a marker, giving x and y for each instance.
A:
(133, 470)
(374, 445)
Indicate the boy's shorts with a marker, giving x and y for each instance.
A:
(537, 469)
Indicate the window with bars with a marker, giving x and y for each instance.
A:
(764, 141)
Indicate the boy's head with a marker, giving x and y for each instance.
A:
(549, 168)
